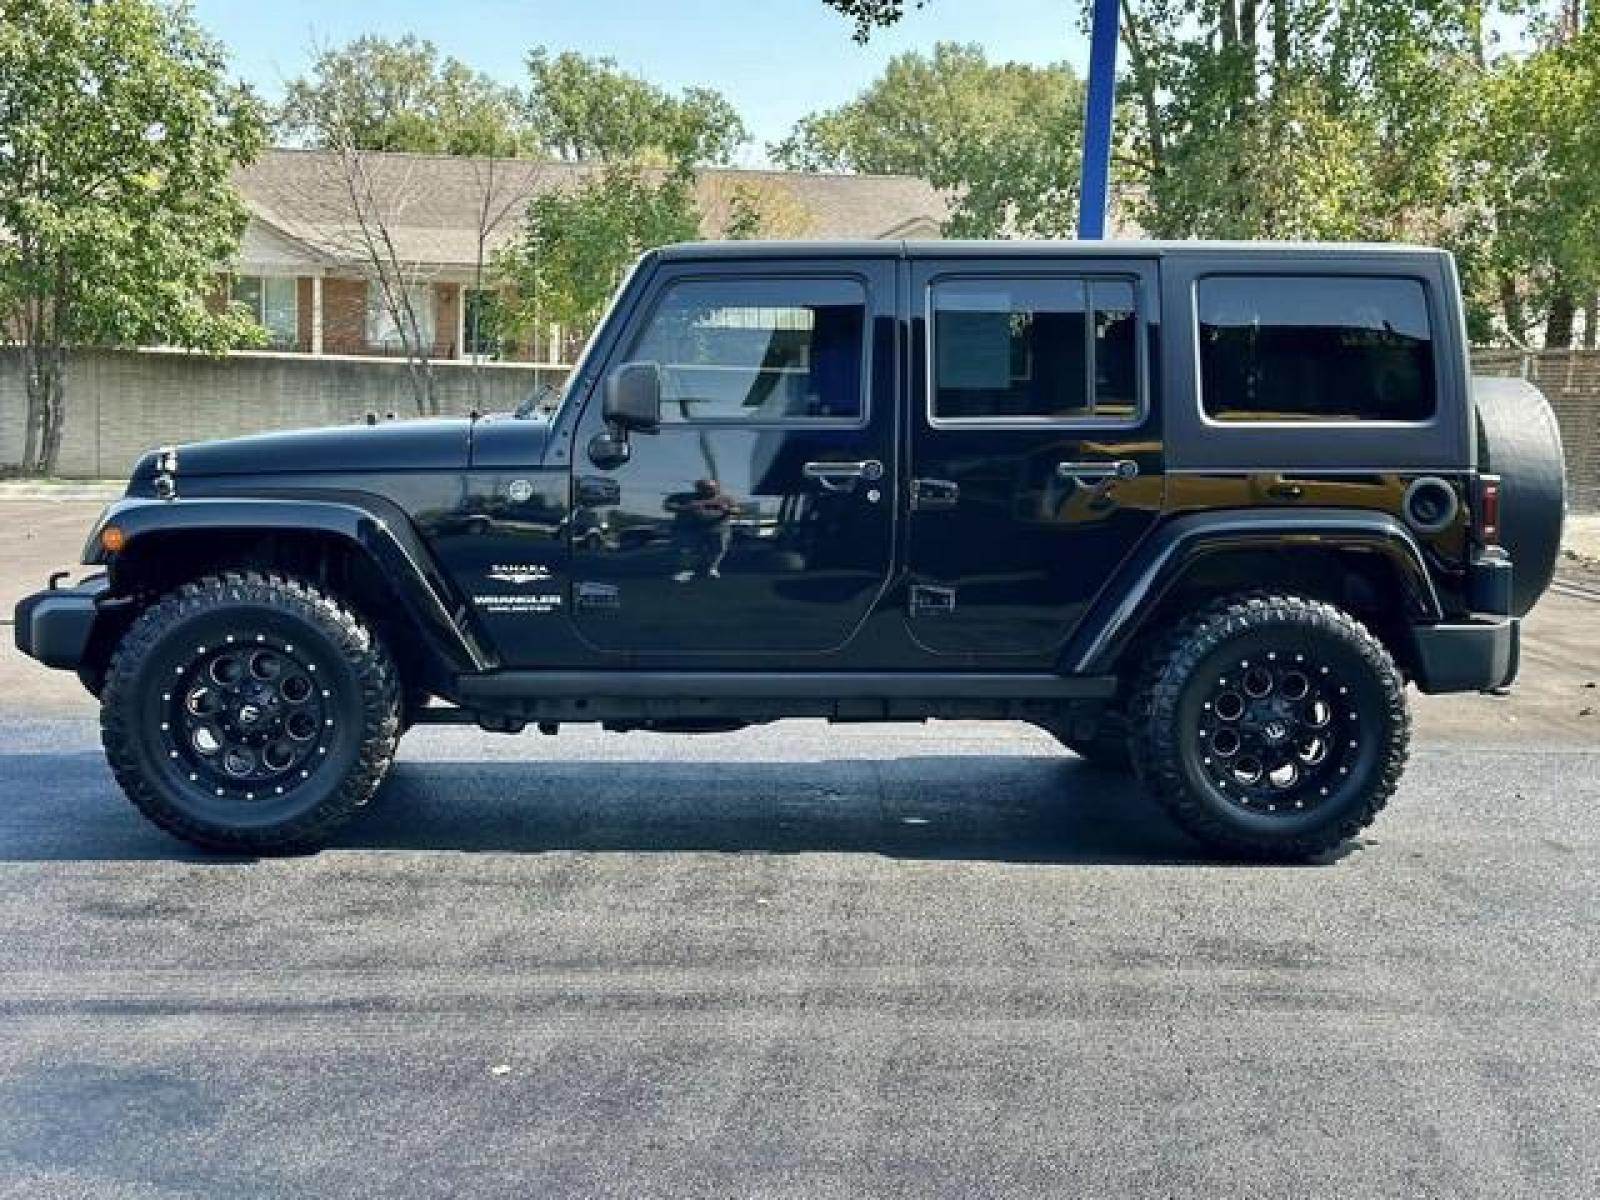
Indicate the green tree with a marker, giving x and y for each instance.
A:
(645, 145)
(1295, 118)
(870, 14)
(385, 94)
(587, 110)
(1378, 121)
(1538, 229)
(1003, 139)
(576, 246)
(118, 134)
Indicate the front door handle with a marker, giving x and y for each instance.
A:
(1117, 468)
(841, 476)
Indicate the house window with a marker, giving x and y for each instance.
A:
(383, 331)
(272, 300)
(480, 323)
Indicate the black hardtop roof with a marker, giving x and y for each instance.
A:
(742, 250)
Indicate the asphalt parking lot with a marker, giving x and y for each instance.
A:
(802, 961)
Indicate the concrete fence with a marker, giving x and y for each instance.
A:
(121, 403)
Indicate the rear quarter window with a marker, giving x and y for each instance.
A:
(1331, 348)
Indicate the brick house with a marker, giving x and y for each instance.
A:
(300, 266)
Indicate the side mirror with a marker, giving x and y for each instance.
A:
(633, 398)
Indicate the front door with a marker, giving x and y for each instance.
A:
(757, 526)
(1036, 461)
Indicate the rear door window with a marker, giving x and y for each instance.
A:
(1330, 349)
(1042, 350)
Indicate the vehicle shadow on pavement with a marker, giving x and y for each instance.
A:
(1012, 809)
(1023, 809)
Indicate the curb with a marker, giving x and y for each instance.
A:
(101, 490)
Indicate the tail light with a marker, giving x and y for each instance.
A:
(1489, 509)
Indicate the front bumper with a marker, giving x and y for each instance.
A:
(1477, 655)
(55, 626)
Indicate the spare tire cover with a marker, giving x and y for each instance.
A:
(1520, 441)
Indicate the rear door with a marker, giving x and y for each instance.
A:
(758, 525)
(1036, 462)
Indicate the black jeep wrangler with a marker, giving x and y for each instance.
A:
(1201, 511)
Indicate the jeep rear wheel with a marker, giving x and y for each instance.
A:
(249, 713)
(1271, 726)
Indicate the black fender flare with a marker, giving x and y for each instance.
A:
(1161, 561)
(369, 525)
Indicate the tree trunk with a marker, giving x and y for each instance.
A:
(420, 370)
(429, 391)
(34, 417)
(1145, 84)
(1281, 46)
(1512, 311)
(1558, 324)
(44, 370)
(1591, 318)
(55, 410)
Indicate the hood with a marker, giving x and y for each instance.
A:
(415, 445)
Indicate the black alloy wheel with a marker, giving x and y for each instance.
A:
(1271, 726)
(249, 718)
(1278, 732)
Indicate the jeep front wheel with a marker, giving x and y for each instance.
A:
(1271, 726)
(250, 713)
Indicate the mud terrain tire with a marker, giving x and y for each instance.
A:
(1255, 680)
(165, 756)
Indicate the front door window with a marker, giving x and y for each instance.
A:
(758, 351)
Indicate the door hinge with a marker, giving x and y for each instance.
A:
(599, 595)
(929, 494)
(930, 601)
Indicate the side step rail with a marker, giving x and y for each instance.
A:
(502, 686)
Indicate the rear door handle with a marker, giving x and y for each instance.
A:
(1117, 468)
(841, 476)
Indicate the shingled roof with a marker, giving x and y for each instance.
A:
(434, 205)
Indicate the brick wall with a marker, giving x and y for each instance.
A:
(1570, 379)
(121, 403)
(446, 317)
(302, 313)
(344, 316)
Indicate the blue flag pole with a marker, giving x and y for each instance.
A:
(1095, 189)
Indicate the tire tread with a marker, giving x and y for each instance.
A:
(373, 669)
(1168, 668)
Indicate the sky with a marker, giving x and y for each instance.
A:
(776, 60)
